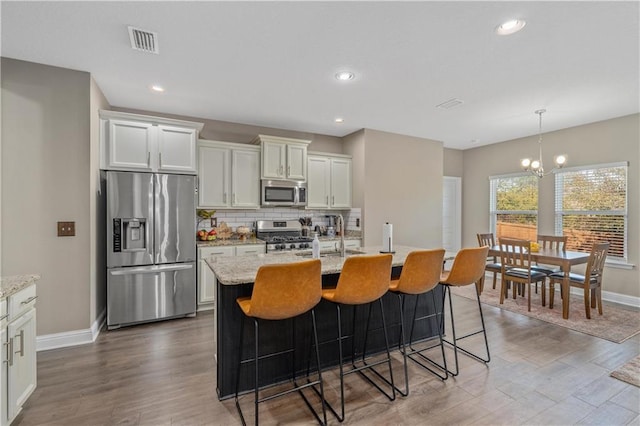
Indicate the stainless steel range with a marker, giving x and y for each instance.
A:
(282, 235)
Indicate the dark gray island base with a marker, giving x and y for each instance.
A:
(277, 335)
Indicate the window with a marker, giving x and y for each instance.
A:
(591, 205)
(514, 206)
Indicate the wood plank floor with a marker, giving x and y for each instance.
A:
(164, 374)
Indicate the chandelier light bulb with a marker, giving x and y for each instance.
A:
(560, 160)
(535, 164)
(525, 163)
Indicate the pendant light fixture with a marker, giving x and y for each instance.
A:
(535, 167)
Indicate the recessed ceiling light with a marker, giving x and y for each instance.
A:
(339, 120)
(510, 27)
(345, 76)
(157, 88)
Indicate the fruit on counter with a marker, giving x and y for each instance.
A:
(212, 235)
(202, 235)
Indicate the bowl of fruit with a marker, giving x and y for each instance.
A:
(204, 235)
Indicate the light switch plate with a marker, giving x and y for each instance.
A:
(66, 229)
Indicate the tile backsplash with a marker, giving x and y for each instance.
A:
(235, 218)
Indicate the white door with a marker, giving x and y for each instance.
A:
(213, 177)
(340, 183)
(297, 162)
(245, 179)
(22, 371)
(176, 149)
(452, 213)
(318, 182)
(273, 160)
(130, 145)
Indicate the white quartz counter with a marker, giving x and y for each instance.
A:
(13, 284)
(242, 270)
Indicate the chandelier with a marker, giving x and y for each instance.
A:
(535, 167)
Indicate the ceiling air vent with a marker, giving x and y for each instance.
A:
(145, 41)
(451, 103)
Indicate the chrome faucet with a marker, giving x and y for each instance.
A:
(343, 251)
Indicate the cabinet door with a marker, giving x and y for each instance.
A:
(245, 179)
(213, 177)
(130, 145)
(340, 183)
(352, 244)
(206, 278)
(318, 182)
(176, 149)
(297, 162)
(21, 380)
(273, 160)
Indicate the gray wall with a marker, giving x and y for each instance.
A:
(45, 179)
(602, 142)
(453, 162)
(400, 181)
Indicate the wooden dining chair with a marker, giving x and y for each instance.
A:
(592, 287)
(549, 242)
(492, 263)
(515, 256)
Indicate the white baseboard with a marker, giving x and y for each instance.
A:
(71, 338)
(207, 307)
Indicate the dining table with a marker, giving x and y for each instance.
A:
(565, 259)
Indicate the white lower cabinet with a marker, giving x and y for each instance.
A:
(206, 278)
(334, 244)
(19, 353)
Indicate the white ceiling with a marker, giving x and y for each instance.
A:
(273, 63)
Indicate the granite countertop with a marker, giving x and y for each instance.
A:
(242, 270)
(13, 284)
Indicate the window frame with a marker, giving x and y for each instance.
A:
(559, 213)
(493, 212)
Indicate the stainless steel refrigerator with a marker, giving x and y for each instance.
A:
(151, 248)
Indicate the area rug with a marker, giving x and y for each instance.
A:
(615, 324)
(630, 372)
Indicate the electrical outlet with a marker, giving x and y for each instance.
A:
(66, 229)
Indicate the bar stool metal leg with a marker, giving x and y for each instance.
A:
(454, 342)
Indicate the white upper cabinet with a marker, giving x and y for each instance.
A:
(245, 178)
(283, 158)
(228, 175)
(341, 183)
(144, 143)
(213, 176)
(318, 182)
(177, 149)
(329, 182)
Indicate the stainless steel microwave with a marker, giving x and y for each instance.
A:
(283, 193)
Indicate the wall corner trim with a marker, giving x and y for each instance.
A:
(71, 338)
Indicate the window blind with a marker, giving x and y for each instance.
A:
(591, 205)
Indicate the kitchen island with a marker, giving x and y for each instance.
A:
(235, 278)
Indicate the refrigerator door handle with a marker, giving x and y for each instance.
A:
(150, 269)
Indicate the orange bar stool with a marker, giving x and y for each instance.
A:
(420, 274)
(280, 292)
(468, 269)
(363, 281)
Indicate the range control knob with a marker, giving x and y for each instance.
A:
(292, 246)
